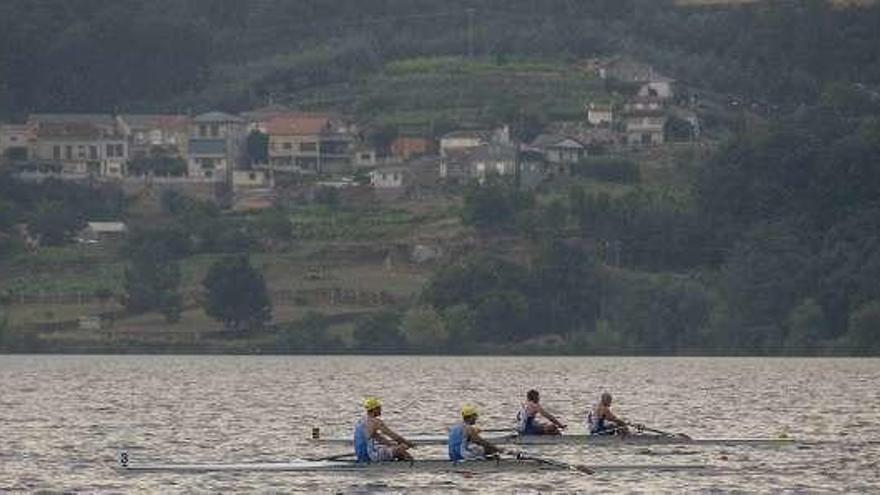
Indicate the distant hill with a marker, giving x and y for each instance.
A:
(838, 3)
(179, 55)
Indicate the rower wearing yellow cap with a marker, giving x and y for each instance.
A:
(464, 438)
(375, 442)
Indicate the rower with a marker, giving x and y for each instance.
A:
(465, 442)
(601, 421)
(375, 442)
(526, 418)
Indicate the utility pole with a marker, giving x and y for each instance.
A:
(518, 131)
(470, 34)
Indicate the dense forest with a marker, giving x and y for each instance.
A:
(777, 250)
(194, 54)
(771, 246)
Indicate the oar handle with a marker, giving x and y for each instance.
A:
(641, 427)
(497, 430)
(334, 457)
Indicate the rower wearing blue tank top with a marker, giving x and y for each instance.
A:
(465, 442)
(374, 441)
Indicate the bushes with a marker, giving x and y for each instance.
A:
(643, 228)
(864, 329)
(490, 300)
(494, 204)
(609, 169)
(309, 335)
(237, 294)
(379, 333)
(424, 329)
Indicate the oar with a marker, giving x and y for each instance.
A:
(578, 468)
(334, 457)
(641, 427)
(498, 430)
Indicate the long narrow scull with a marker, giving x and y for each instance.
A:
(575, 439)
(421, 465)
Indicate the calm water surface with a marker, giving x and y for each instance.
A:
(63, 419)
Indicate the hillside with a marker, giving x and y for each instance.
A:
(760, 238)
(198, 54)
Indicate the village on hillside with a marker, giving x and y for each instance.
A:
(240, 160)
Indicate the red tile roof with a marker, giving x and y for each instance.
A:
(157, 121)
(78, 130)
(301, 124)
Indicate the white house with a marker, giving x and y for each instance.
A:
(388, 177)
(216, 145)
(600, 114)
(558, 149)
(463, 140)
(645, 121)
(81, 146)
(660, 87)
(250, 178)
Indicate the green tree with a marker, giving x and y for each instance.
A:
(565, 287)
(169, 241)
(274, 223)
(236, 294)
(466, 282)
(850, 268)
(10, 240)
(8, 215)
(494, 204)
(656, 313)
(379, 333)
(501, 316)
(328, 196)
(311, 334)
(763, 279)
(54, 223)
(864, 329)
(805, 327)
(554, 216)
(609, 169)
(459, 321)
(152, 275)
(153, 283)
(4, 325)
(424, 328)
(678, 129)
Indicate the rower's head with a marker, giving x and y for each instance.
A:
(469, 414)
(533, 396)
(606, 398)
(373, 406)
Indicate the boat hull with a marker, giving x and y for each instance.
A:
(638, 440)
(427, 465)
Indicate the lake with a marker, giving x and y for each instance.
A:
(64, 419)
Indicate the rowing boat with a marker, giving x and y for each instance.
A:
(420, 465)
(591, 440)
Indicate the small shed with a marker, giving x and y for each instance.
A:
(102, 231)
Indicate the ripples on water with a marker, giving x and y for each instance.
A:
(63, 419)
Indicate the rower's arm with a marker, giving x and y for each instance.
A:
(394, 436)
(475, 437)
(549, 416)
(609, 416)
